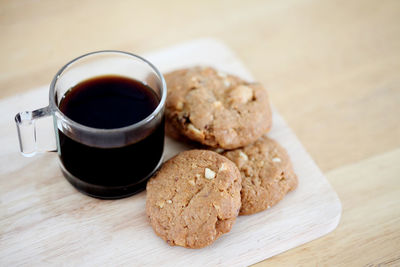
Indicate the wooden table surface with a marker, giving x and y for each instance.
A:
(332, 69)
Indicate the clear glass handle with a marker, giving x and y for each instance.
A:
(35, 131)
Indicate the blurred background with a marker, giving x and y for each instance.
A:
(332, 69)
(324, 62)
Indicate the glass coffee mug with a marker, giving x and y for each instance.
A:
(108, 162)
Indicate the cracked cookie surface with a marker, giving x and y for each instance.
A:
(216, 109)
(194, 198)
(267, 174)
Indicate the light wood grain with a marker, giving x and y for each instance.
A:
(332, 69)
(82, 230)
(372, 198)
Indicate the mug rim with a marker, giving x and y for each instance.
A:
(54, 107)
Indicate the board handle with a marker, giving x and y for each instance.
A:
(35, 131)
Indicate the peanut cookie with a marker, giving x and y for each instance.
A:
(194, 198)
(216, 109)
(267, 174)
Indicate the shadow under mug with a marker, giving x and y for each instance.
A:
(103, 163)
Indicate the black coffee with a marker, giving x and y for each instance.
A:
(109, 102)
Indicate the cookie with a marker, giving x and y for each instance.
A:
(267, 174)
(216, 109)
(194, 198)
(174, 133)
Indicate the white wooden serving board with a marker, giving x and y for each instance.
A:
(45, 221)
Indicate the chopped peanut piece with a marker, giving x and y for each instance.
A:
(223, 167)
(276, 160)
(209, 174)
(196, 132)
(243, 155)
(241, 94)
